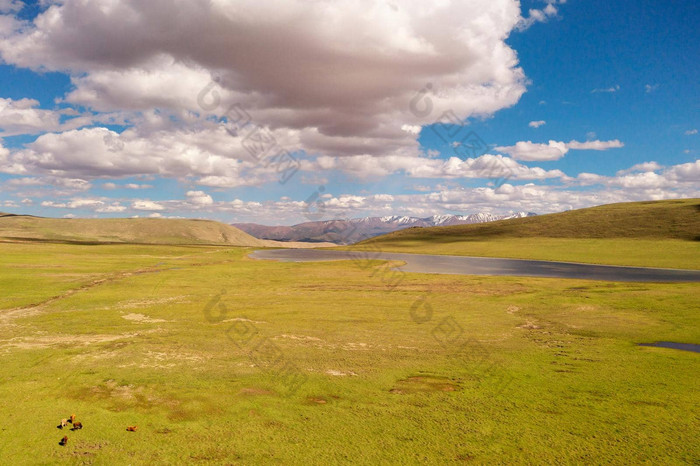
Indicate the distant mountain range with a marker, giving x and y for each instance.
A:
(357, 229)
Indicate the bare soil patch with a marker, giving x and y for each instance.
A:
(425, 384)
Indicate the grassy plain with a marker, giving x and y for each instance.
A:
(437, 370)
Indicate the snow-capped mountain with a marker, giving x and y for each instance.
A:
(357, 229)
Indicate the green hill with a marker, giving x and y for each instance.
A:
(123, 230)
(654, 233)
(676, 219)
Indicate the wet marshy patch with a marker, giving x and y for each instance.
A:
(425, 384)
(672, 345)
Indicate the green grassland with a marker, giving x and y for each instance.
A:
(188, 342)
(646, 234)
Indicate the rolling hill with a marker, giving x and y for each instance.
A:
(676, 219)
(653, 233)
(128, 230)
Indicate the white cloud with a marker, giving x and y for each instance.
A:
(25, 181)
(10, 6)
(686, 173)
(553, 150)
(112, 208)
(71, 184)
(412, 129)
(96, 152)
(537, 124)
(23, 117)
(199, 198)
(538, 16)
(649, 88)
(75, 203)
(641, 167)
(690, 132)
(530, 151)
(595, 145)
(487, 166)
(506, 198)
(644, 176)
(112, 186)
(606, 89)
(146, 205)
(83, 203)
(644, 180)
(680, 181)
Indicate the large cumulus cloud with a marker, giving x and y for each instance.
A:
(339, 74)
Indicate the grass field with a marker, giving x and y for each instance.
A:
(221, 359)
(645, 234)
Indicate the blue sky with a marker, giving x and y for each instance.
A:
(128, 108)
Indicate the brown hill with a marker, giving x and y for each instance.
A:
(127, 230)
